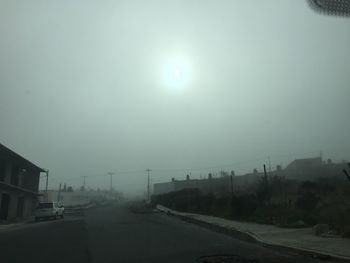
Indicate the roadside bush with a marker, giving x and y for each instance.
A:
(336, 215)
(307, 201)
(184, 200)
(204, 203)
(244, 206)
(322, 202)
(310, 218)
(222, 207)
(346, 231)
(279, 215)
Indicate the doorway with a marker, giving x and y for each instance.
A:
(4, 209)
(20, 206)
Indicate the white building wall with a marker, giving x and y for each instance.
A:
(73, 198)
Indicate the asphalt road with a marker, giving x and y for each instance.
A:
(122, 234)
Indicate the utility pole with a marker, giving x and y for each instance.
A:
(232, 175)
(84, 182)
(266, 186)
(148, 182)
(59, 194)
(111, 181)
(346, 173)
(47, 179)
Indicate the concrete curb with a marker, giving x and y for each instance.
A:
(252, 238)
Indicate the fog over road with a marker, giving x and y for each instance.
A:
(120, 234)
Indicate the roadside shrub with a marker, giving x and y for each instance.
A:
(325, 201)
(222, 207)
(307, 201)
(346, 231)
(336, 215)
(279, 215)
(204, 203)
(222, 202)
(310, 218)
(184, 200)
(244, 206)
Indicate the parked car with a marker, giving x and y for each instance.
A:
(49, 210)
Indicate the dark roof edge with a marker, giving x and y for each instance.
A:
(21, 157)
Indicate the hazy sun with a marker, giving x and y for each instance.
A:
(176, 73)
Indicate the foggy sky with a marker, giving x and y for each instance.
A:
(82, 93)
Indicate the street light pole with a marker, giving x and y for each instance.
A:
(148, 182)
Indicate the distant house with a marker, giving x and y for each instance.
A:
(19, 184)
(305, 164)
(311, 169)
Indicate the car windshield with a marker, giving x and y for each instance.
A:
(174, 131)
(45, 205)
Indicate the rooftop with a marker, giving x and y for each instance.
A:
(6, 153)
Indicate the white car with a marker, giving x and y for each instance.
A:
(49, 210)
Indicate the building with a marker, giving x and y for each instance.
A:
(313, 168)
(74, 198)
(300, 169)
(216, 186)
(305, 164)
(19, 184)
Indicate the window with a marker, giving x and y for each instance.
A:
(14, 175)
(2, 170)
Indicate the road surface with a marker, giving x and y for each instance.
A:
(121, 234)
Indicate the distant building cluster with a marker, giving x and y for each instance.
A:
(210, 185)
(299, 169)
(74, 198)
(79, 198)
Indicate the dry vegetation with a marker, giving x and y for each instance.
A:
(274, 200)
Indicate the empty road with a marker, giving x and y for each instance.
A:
(121, 234)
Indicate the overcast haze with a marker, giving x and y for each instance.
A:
(83, 92)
